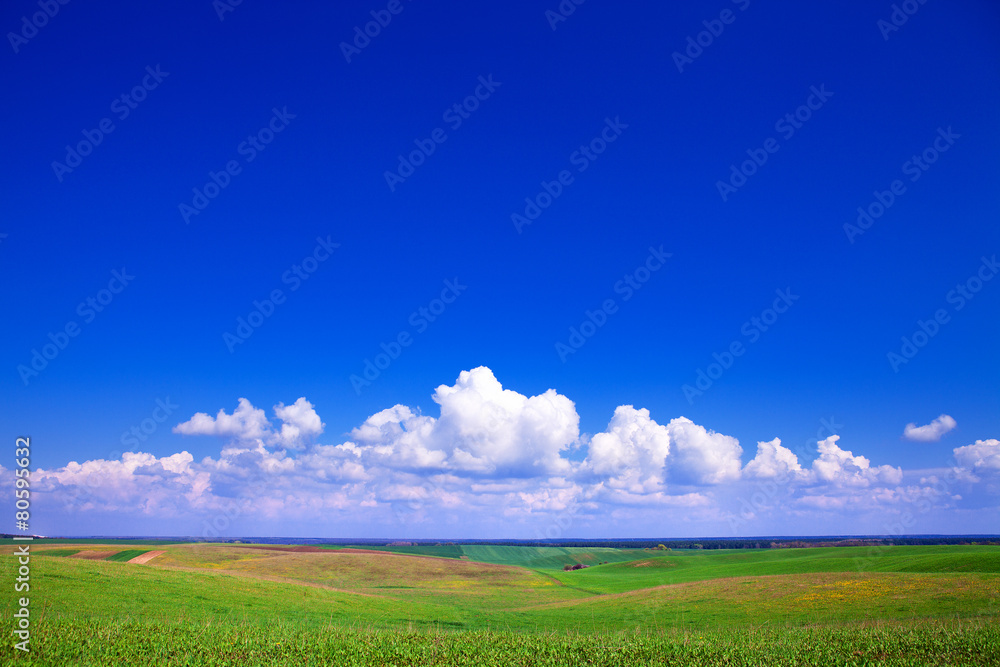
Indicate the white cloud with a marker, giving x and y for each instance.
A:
(136, 482)
(638, 455)
(661, 500)
(503, 430)
(823, 502)
(399, 438)
(930, 432)
(981, 457)
(701, 456)
(774, 461)
(491, 455)
(246, 423)
(335, 463)
(483, 429)
(550, 499)
(300, 423)
(632, 452)
(841, 467)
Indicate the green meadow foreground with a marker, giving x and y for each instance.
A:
(222, 604)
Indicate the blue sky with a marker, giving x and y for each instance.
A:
(619, 129)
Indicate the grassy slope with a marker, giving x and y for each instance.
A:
(127, 555)
(459, 584)
(440, 551)
(793, 599)
(543, 558)
(225, 608)
(685, 566)
(903, 582)
(549, 558)
(61, 553)
(67, 588)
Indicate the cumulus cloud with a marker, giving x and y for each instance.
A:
(981, 457)
(774, 461)
(489, 454)
(929, 432)
(553, 498)
(246, 423)
(701, 456)
(833, 466)
(399, 438)
(483, 429)
(632, 452)
(335, 463)
(841, 467)
(638, 455)
(136, 482)
(502, 430)
(300, 423)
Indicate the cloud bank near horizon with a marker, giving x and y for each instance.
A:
(509, 464)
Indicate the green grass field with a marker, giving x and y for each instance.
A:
(440, 551)
(216, 604)
(127, 555)
(548, 558)
(61, 553)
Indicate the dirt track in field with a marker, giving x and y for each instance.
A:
(146, 557)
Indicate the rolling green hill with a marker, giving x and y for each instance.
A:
(549, 558)
(439, 551)
(261, 604)
(546, 558)
(127, 555)
(677, 567)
